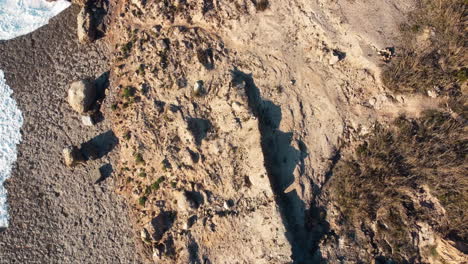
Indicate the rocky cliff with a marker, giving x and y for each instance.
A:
(234, 118)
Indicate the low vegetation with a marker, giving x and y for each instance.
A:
(128, 92)
(410, 153)
(142, 200)
(139, 158)
(375, 184)
(434, 56)
(155, 186)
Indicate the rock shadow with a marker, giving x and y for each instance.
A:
(162, 223)
(194, 198)
(101, 84)
(98, 10)
(99, 146)
(105, 172)
(199, 128)
(281, 159)
(193, 249)
(205, 57)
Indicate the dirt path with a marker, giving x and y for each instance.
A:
(58, 215)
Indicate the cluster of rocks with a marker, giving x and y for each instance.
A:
(85, 97)
(81, 97)
(387, 54)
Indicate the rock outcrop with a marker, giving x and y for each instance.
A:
(91, 20)
(232, 115)
(85, 29)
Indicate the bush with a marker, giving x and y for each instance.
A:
(141, 69)
(126, 48)
(139, 158)
(127, 136)
(128, 92)
(142, 200)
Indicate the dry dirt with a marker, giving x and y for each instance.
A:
(284, 89)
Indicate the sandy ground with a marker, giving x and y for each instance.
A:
(58, 215)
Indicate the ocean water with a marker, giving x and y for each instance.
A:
(17, 17)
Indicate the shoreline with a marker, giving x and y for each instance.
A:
(57, 214)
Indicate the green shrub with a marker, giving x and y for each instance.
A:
(142, 200)
(161, 179)
(127, 136)
(462, 75)
(141, 69)
(126, 48)
(155, 186)
(139, 158)
(128, 92)
(173, 184)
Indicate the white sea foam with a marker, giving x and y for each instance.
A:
(17, 17)
(10, 124)
(20, 17)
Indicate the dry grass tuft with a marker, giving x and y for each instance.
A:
(429, 151)
(439, 62)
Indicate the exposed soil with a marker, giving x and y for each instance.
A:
(59, 215)
(285, 86)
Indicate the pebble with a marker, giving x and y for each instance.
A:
(198, 88)
(87, 120)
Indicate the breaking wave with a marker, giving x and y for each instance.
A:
(17, 17)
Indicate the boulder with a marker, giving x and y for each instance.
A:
(81, 95)
(85, 29)
(72, 156)
(182, 202)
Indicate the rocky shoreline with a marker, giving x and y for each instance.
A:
(57, 214)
